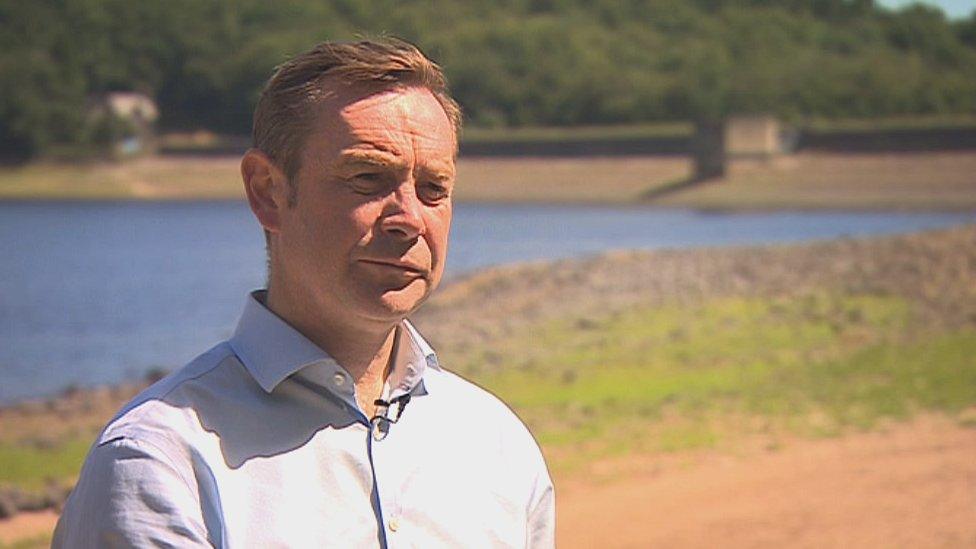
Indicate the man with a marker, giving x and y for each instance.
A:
(326, 419)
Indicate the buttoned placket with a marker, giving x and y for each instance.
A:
(336, 384)
(385, 470)
(387, 463)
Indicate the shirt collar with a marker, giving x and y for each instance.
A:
(272, 350)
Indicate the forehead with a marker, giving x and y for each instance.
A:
(406, 122)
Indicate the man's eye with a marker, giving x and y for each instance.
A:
(433, 192)
(366, 182)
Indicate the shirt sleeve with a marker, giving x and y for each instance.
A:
(542, 515)
(130, 495)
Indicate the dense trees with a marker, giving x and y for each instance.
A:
(511, 62)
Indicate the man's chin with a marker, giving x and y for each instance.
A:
(399, 302)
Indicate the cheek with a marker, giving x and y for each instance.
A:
(349, 227)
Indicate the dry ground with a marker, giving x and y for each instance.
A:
(151, 178)
(911, 486)
(920, 181)
(591, 180)
(934, 180)
(25, 526)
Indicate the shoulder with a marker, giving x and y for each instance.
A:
(480, 407)
(460, 391)
(485, 426)
(138, 484)
(161, 412)
(131, 494)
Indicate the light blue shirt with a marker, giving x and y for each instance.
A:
(259, 442)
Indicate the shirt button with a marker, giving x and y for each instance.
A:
(394, 524)
(339, 379)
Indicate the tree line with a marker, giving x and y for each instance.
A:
(510, 62)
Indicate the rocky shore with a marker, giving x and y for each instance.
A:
(935, 270)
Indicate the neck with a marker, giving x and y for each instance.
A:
(365, 351)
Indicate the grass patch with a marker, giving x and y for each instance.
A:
(680, 378)
(815, 366)
(32, 468)
(893, 381)
(685, 437)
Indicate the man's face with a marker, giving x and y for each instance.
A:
(367, 237)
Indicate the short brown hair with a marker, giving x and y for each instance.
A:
(285, 109)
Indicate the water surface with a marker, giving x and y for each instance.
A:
(95, 293)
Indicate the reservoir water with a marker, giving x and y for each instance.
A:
(94, 293)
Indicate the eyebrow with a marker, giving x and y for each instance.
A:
(439, 171)
(373, 157)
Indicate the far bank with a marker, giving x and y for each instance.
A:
(912, 181)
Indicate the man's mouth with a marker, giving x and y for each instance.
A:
(406, 267)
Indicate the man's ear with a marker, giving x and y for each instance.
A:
(266, 187)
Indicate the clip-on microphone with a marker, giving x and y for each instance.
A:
(381, 422)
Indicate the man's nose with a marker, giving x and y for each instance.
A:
(403, 214)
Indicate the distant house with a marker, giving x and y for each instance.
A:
(124, 122)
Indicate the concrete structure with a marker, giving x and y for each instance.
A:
(754, 136)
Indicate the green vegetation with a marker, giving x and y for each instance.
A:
(511, 63)
(33, 468)
(673, 378)
(676, 378)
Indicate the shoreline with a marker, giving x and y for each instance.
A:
(837, 299)
(554, 203)
(918, 181)
(481, 283)
(466, 283)
(465, 278)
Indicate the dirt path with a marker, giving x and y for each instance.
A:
(914, 486)
(26, 526)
